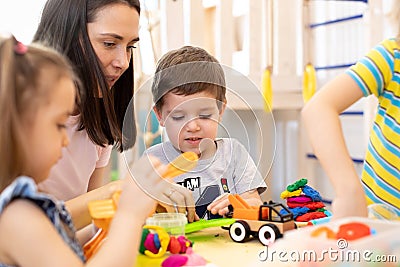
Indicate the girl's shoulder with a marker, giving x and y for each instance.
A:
(22, 187)
(22, 203)
(18, 217)
(23, 193)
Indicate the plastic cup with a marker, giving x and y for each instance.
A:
(173, 223)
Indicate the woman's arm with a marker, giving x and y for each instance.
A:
(97, 178)
(321, 120)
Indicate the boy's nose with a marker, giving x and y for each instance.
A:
(192, 125)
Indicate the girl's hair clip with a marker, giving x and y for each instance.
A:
(20, 48)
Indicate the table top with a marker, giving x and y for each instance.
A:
(215, 245)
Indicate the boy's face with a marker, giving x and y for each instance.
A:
(189, 120)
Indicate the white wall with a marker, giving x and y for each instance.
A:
(20, 17)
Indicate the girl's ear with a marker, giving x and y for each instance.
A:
(159, 116)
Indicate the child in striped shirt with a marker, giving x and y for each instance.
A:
(378, 73)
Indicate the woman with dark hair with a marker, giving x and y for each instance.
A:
(98, 37)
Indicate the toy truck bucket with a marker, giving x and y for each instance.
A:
(241, 209)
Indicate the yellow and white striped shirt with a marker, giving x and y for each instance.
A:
(378, 73)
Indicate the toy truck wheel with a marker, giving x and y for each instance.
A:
(239, 231)
(268, 233)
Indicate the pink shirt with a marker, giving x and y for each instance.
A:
(70, 177)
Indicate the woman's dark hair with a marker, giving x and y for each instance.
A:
(63, 26)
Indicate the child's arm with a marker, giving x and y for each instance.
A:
(35, 242)
(29, 238)
(321, 119)
(80, 213)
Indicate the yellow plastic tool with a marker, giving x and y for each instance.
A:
(184, 163)
(267, 89)
(309, 82)
(102, 212)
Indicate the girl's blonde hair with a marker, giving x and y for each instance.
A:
(27, 77)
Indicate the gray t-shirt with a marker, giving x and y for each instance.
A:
(231, 170)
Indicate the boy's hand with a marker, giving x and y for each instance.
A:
(221, 203)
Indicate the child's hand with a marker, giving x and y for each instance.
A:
(219, 205)
(145, 175)
(135, 187)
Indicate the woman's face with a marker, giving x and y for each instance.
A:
(113, 34)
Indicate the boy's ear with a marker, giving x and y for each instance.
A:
(159, 116)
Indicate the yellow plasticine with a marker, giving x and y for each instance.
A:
(286, 194)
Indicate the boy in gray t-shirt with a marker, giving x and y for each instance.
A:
(189, 96)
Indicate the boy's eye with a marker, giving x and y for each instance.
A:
(131, 47)
(177, 118)
(205, 116)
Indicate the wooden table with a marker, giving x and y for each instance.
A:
(215, 245)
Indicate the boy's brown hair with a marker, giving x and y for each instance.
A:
(186, 71)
